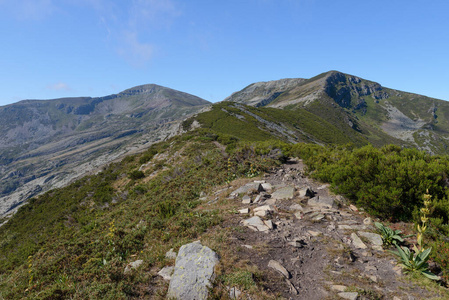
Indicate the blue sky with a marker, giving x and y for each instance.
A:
(210, 48)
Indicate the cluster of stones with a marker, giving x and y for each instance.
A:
(263, 206)
(284, 207)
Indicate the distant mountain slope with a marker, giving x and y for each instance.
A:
(46, 143)
(353, 104)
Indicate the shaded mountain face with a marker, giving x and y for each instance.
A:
(358, 107)
(45, 144)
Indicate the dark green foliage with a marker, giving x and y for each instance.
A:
(136, 174)
(388, 182)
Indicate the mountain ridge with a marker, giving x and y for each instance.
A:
(67, 135)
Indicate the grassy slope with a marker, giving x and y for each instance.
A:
(76, 241)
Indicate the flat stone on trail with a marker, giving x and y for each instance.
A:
(248, 187)
(244, 211)
(278, 267)
(321, 201)
(283, 193)
(349, 295)
(373, 238)
(357, 242)
(255, 223)
(295, 207)
(264, 208)
(194, 270)
(267, 187)
(306, 192)
(246, 200)
(338, 288)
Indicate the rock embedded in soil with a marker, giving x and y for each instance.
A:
(166, 272)
(133, 265)
(349, 295)
(357, 242)
(321, 201)
(247, 188)
(373, 238)
(278, 267)
(246, 200)
(287, 192)
(255, 223)
(244, 211)
(194, 271)
(170, 254)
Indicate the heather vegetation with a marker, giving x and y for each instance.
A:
(75, 242)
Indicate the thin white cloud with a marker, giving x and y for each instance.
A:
(130, 29)
(152, 13)
(135, 52)
(60, 86)
(29, 9)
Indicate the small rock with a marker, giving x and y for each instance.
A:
(314, 233)
(357, 242)
(283, 193)
(278, 267)
(170, 254)
(373, 238)
(255, 223)
(244, 211)
(297, 243)
(269, 224)
(368, 221)
(373, 278)
(258, 198)
(306, 193)
(321, 201)
(267, 187)
(299, 215)
(353, 207)
(263, 211)
(246, 199)
(349, 295)
(318, 217)
(292, 288)
(338, 288)
(378, 248)
(370, 268)
(166, 273)
(248, 246)
(247, 188)
(397, 270)
(234, 293)
(133, 265)
(296, 207)
(344, 227)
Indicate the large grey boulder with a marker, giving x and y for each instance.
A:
(194, 271)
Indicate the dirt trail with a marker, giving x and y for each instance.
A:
(326, 246)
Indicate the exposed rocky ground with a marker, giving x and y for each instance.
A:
(309, 243)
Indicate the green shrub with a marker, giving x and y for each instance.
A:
(136, 174)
